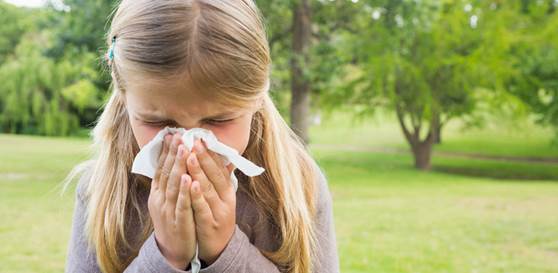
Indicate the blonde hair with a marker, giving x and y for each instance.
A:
(222, 49)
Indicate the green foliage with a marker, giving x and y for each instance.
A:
(277, 19)
(52, 81)
(81, 94)
(325, 58)
(535, 76)
(14, 23)
(83, 27)
(426, 59)
(42, 96)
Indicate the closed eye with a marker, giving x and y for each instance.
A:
(170, 123)
(157, 123)
(219, 121)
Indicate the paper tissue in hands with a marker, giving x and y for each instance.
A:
(146, 161)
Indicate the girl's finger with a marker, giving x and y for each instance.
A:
(230, 169)
(202, 212)
(219, 161)
(184, 213)
(179, 168)
(207, 189)
(169, 162)
(162, 157)
(213, 171)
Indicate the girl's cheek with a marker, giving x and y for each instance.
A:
(144, 133)
(233, 135)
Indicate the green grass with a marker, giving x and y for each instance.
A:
(36, 221)
(389, 217)
(521, 138)
(496, 168)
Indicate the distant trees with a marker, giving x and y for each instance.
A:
(13, 24)
(534, 78)
(305, 60)
(41, 96)
(428, 61)
(51, 81)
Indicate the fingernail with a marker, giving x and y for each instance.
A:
(193, 160)
(184, 179)
(180, 150)
(196, 186)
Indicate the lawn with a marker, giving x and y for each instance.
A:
(389, 217)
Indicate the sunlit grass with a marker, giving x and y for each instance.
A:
(391, 218)
(521, 138)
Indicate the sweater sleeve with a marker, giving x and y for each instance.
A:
(241, 256)
(326, 260)
(81, 258)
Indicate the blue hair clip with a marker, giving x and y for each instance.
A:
(111, 50)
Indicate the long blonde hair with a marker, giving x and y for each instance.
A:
(221, 46)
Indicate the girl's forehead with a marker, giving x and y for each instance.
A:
(173, 99)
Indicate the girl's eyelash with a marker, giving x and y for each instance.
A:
(212, 121)
(219, 121)
(156, 122)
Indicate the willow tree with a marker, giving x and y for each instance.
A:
(49, 67)
(41, 96)
(13, 24)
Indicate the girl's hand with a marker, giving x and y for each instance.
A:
(170, 207)
(213, 201)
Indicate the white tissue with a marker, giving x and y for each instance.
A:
(146, 161)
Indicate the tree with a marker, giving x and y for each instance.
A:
(14, 22)
(534, 78)
(80, 25)
(423, 60)
(306, 49)
(40, 96)
(300, 85)
(41, 92)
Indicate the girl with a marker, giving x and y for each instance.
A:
(197, 63)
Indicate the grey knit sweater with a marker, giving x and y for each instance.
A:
(242, 254)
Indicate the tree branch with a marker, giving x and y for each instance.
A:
(401, 119)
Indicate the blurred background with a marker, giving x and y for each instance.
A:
(436, 123)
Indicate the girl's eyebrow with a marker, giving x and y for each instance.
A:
(221, 115)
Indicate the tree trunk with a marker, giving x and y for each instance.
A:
(300, 85)
(422, 152)
(422, 149)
